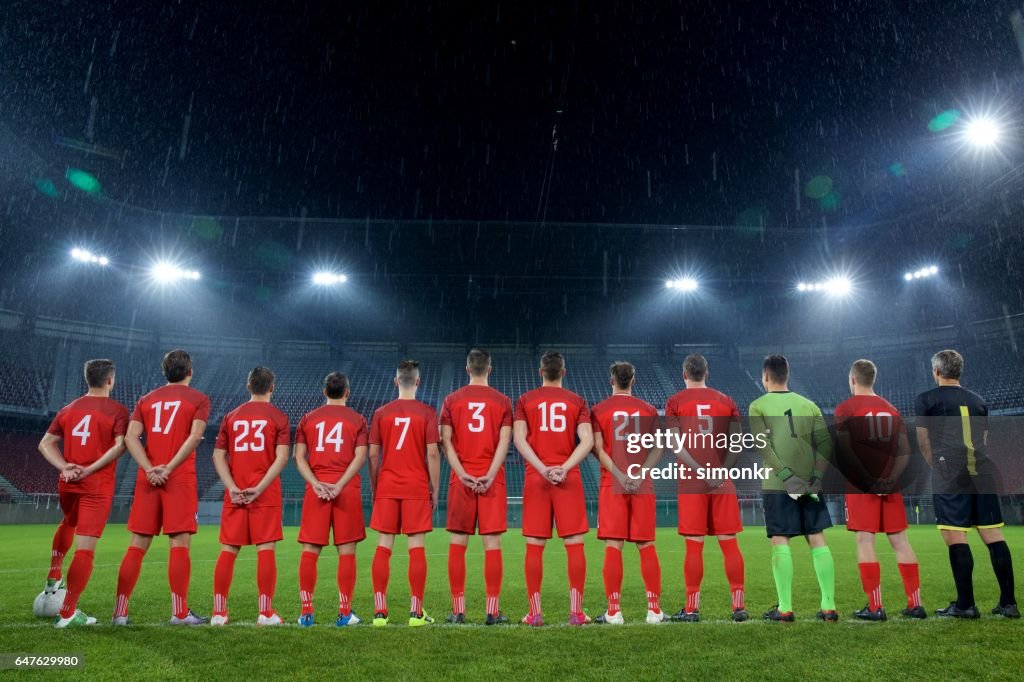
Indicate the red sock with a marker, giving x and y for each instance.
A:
(577, 576)
(534, 576)
(78, 578)
(871, 582)
(650, 570)
(911, 584)
(266, 579)
(493, 573)
(381, 571)
(612, 577)
(417, 578)
(223, 572)
(693, 572)
(346, 582)
(733, 570)
(127, 576)
(307, 580)
(457, 576)
(179, 572)
(62, 541)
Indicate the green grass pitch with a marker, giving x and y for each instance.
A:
(716, 647)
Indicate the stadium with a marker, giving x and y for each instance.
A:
(300, 197)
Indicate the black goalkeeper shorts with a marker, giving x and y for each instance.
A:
(963, 512)
(788, 517)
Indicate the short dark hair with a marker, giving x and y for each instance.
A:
(622, 372)
(551, 364)
(478, 361)
(260, 381)
(177, 365)
(695, 367)
(408, 372)
(864, 372)
(335, 385)
(97, 372)
(948, 363)
(777, 368)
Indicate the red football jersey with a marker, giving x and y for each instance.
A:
(89, 427)
(477, 415)
(403, 429)
(251, 433)
(331, 435)
(702, 411)
(166, 415)
(552, 415)
(874, 426)
(615, 418)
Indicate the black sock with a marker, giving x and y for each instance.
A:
(1002, 564)
(962, 562)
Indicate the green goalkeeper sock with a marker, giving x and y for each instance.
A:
(825, 569)
(782, 569)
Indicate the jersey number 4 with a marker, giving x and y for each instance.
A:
(81, 429)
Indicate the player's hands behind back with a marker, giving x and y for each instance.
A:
(71, 472)
(795, 485)
(555, 475)
(324, 491)
(158, 475)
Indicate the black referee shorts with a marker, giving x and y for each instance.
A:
(963, 512)
(788, 517)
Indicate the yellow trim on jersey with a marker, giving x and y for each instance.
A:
(962, 530)
(965, 422)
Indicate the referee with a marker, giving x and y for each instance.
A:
(952, 431)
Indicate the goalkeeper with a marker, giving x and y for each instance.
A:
(797, 448)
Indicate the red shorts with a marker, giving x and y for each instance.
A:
(875, 513)
(343, 515)
(563, 503)
(86, 512)
(709, 514)
(241, 525)
(466, 509)
(171, 508)
(401, 516)
(625, 517)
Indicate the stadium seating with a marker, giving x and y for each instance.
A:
(47, 375)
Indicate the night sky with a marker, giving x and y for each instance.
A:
(693, 112)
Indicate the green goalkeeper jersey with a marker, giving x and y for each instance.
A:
(796, 435)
